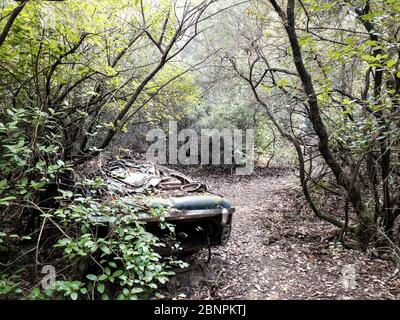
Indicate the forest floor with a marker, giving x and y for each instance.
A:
(279, 250)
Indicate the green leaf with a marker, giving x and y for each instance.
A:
(105, 249)
(91, 277)
(136, 290)
(100, 288)
(104, 297)
(103, 277)
(117, 273)
(6, 201)
(391, 63)
(74, 296)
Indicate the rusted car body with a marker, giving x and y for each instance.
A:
(201, 219)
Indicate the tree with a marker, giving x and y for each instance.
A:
(11, 19)
(72, 76)
(322, 38)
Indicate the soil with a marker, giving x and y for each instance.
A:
(279, 250)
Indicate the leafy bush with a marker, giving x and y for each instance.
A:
(120, 264)
(125, 260)
(98, 261)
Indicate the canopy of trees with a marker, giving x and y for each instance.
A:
(319, 81)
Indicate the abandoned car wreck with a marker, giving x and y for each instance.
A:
(201, 219)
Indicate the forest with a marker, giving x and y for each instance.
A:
(280, 119)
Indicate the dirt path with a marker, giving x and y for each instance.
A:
(278, 250)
